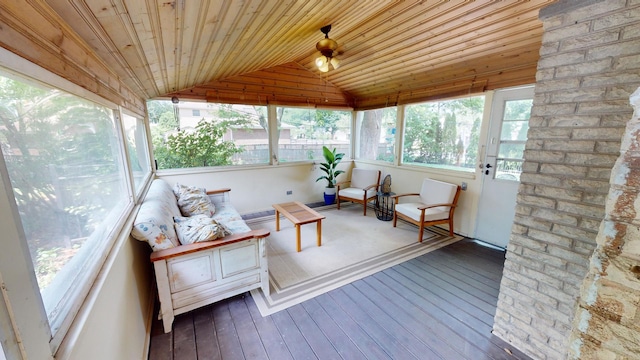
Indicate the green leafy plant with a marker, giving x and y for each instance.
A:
(205, 146)
(329, 167)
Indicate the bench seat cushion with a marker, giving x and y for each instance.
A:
(198, 228)
(228, 216)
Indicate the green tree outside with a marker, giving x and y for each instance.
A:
(64, 169)
(203, 146)
(443, 133)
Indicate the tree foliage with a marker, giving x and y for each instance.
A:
(64, 168)
(47, 135)
(203, 147)
(443, 133)
(471, 157)
(313, 123)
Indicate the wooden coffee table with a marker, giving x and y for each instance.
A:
(299, 214)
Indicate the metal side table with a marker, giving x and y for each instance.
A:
(384, 206)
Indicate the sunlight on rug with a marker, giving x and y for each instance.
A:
(353, 246)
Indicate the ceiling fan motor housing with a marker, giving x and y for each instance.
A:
(326, 46)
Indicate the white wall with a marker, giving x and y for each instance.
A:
(116, 318)
(256, 189)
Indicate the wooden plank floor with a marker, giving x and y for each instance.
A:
(437, 306)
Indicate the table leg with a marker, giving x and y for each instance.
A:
(319, 232)
(298, 237)
(277, 220)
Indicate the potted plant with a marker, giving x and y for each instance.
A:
(329, 167)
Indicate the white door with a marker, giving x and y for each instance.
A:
(503, 157)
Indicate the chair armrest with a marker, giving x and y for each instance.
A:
(435, 205)
(192, 248)
(218, 191)
(397, 197)
(371, 186)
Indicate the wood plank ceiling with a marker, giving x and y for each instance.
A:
(263, 51)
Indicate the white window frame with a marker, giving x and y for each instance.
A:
(147, 177)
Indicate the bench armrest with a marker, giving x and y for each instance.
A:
(191, 248)
(218, 191)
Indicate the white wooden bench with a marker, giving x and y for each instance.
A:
(194, 275)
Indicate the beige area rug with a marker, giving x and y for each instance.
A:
(353, 246)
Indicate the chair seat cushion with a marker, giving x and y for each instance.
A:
(411, 210)
(355, 193)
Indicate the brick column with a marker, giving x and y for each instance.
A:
(607, 322)
(589, 65)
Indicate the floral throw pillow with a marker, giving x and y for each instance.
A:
(198, 228)
(193, 200)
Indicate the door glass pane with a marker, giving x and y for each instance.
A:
(518, 110)
(64, 159)
(514, 130)
(513, 137)
(511, 150)
(508, 170)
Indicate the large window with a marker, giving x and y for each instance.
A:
(443, 134)
(65, 161)
(303, 132)
(376, 134)
(214, 135)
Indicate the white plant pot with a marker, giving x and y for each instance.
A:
(330, 191)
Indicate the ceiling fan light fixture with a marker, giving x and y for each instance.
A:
(326, 47)
(321, 61)
(335, 63)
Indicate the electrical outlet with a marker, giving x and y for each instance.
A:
(289, 192)
(463, 186)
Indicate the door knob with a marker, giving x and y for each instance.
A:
(489, 166)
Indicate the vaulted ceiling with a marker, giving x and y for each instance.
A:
(263, 51)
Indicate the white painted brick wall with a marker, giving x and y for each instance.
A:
(589, 65)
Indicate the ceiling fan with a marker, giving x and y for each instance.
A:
(327, 46)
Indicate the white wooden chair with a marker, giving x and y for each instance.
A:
(363, 187)
(436, 205)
